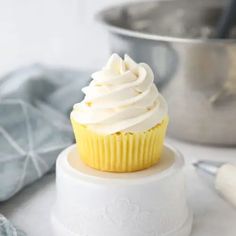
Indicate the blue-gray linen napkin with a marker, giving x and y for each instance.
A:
(35, 103)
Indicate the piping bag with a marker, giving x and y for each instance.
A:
(225, 178)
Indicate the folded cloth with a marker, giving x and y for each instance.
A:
(7, 229)
(34, 125)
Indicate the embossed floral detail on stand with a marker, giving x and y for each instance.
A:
(123, 216)
(121, 212)
(144, 222)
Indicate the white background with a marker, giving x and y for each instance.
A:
(55, 32)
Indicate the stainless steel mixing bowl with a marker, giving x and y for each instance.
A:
(196, 75)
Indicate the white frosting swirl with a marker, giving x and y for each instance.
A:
(121, 97)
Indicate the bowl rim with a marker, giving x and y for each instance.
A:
(100, 17)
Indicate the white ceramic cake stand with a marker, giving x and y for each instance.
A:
(151, 202)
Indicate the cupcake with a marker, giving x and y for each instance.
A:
(121, 123)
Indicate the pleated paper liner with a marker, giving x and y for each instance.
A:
(120, 152)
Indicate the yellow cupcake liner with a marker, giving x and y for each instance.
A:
(120, 152)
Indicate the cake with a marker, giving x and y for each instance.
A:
(121, 123)
(120, 179)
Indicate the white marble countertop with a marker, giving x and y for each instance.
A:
(30, 209)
